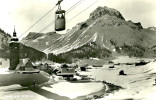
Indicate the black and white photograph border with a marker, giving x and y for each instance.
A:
(77, 50)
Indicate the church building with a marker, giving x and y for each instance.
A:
(14, 47)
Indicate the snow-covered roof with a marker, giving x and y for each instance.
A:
(26, 63)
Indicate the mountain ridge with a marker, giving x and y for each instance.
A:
(107, 28)
(25, 51)
(100, 11)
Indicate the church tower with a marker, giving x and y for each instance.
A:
(14, 51)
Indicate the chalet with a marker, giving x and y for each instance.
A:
(66, 72)
(47, 66)
(142, 62)
(83, 67)
(73, 65)
(26, 66)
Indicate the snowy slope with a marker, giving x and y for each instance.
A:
(106, 27)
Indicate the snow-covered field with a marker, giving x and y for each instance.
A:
(61, 90)
(137, 84)
(16, 92)
(73, 90)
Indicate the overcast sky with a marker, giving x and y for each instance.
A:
(24, 13)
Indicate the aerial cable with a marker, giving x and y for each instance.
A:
(78, 13)
(71, 18)
(74, 6)
(47, 26)
(70, 9)
(82, 11)
(38, 21)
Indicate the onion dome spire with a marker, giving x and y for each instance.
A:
(14, 38)
(14, 33)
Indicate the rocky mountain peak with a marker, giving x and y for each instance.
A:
(101, 11)
(152, 28)
(139, 25)
(106, 31)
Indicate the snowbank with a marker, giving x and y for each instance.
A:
(73, 90)
(4, 71)
(5, 63)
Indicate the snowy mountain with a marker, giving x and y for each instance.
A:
(25, 51)
(152, 28)
(4, 40)
(107, 28)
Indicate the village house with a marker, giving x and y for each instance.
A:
(83, 67)
(26, 66)
(66, 72)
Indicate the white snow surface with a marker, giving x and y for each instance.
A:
(73, 90)
(61, 87)
(138, 84)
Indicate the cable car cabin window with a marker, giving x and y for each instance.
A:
(57, 16)
(60, 20)
(60, 16)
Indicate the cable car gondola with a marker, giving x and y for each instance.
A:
(60, 21)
